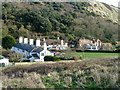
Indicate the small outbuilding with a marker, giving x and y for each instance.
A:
(3, 61)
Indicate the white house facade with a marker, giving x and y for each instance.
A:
(56, 44)
(4, 61)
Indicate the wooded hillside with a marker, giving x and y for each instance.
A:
(70, 21)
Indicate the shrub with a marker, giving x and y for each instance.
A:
(75, 58)
(51, 58)
(26, 60)
(81, 57)
(84, 74)
(65, 58)
(12, 56)
(8, 42)
(15, 60)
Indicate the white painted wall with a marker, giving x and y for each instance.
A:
(20, 39)
(31, 41)
(25, 40)
(5, 61)
(46, 53)
(61, 42)
(38, 42)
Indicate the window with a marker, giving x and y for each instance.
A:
(42, 54)
(1, 57)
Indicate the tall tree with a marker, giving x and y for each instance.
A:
(8, 42)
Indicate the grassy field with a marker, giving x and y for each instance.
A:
(90, 55)
(94, 55)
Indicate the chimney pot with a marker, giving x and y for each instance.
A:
(38, 39)
(31, 41)
(38, 42)
(45, 46)
(25, 40)
(20, 39)
(61, 42)
(58, 38)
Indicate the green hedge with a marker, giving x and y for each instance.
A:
(19, 60)
(66, 58)
(104, 51)
(51, 58)
(15, 60)
(26, 60)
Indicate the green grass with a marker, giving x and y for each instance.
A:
(93, 55)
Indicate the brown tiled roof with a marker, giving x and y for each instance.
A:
(85, 40)
(103, 44)
(51, 42)
(118, 42)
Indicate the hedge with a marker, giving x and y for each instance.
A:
(26, 60)
(104, 51)
(51, 58)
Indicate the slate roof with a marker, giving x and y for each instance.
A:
(28, 47)
(35, 56)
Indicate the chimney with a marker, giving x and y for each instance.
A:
(25, 40)
(91, 42)
(38, 42)
(61, 42)
(45, 46)
(44, 39)
(58, 38)
(66, 44)
(20, 39)
(31, 42)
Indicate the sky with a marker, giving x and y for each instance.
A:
(110, 2)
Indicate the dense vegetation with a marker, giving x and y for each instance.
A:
(51, 58)
(8, 42)
(97, 73)
(70, 21)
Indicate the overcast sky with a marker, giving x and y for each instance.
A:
(110, 2)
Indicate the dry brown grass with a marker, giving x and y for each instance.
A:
(101, 72)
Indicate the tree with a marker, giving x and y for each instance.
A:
(19, 25)
(8, 42)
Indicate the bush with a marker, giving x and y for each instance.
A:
(15, 60)
(75, 58)
(8, 42)
(26, 60)
(66, 58)
(102, 51)
(81, 57)
(11, 55)
(51, 58)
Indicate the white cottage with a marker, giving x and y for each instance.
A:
(55, 44)
(4, 61)
(31, 51)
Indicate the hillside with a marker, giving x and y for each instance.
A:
(70, 21)
(104, 10)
